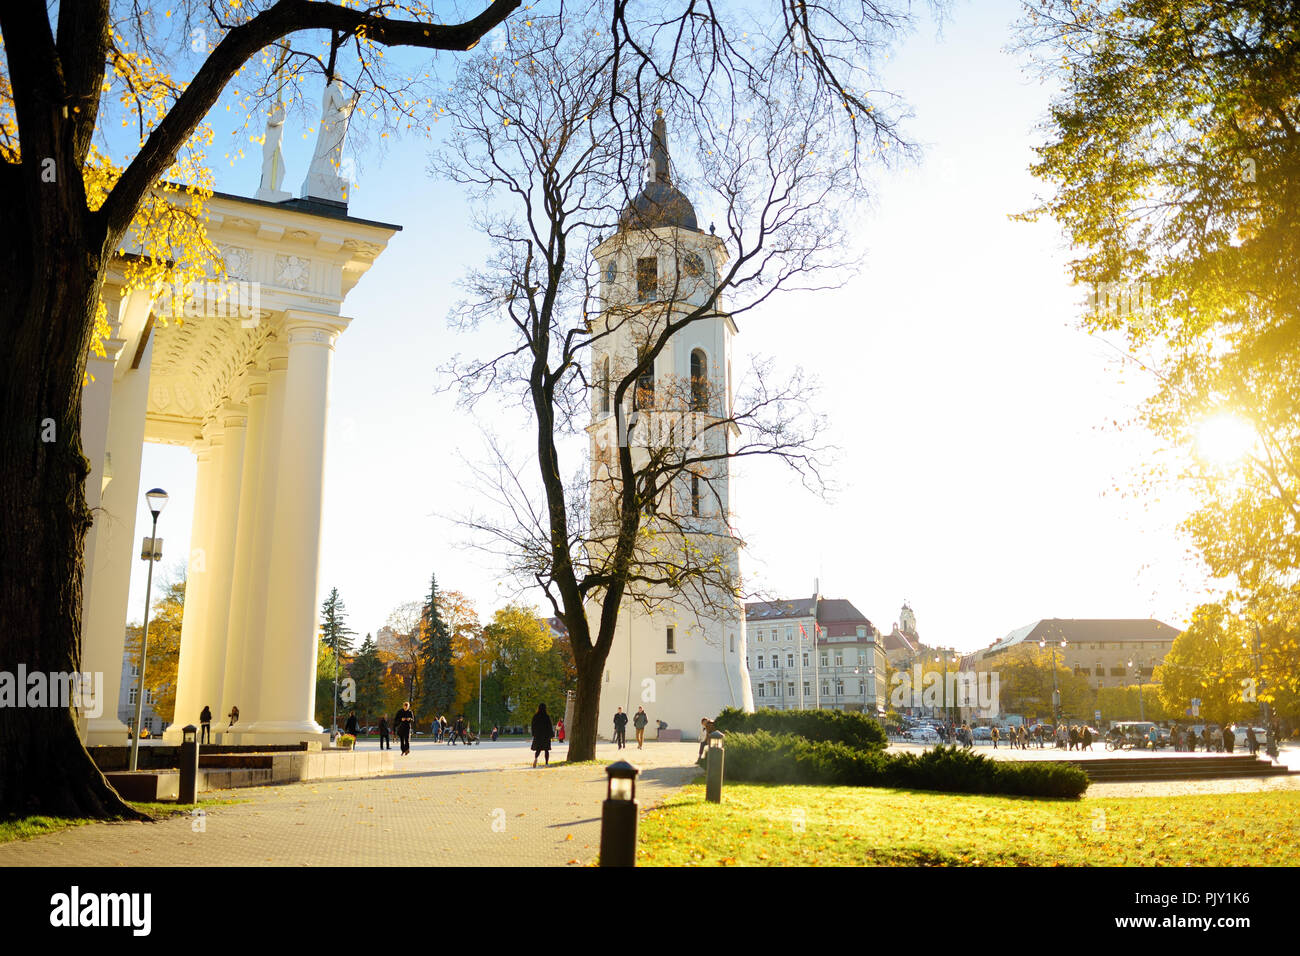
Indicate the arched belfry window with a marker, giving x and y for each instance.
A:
(602, 386)
(699, 381)
(645, 383)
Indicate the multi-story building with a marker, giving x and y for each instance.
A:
(814, 653)
(126, 692)
(1110, 652)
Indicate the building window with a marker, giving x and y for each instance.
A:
(760, 637)
(839, 658)
(1101, 669)
(807, 688)
(826, 688)
(645, 382)
(695, 495)
(135, 670)
(602, 386)
(692, 265)
(772, 687)
(761, 690)
(699, 381)
(760, 661)
(130, 697)
(789, 688)
(672, 640)
(789, 660)
(823, 659)
(789, 632)
(805, 658)
(647, 279)
(839, 688)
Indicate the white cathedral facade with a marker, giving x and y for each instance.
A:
(679, 652)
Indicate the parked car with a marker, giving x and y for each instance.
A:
(982, 733)
(924, 734)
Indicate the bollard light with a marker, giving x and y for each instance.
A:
(622, 781)
(713, 768)
(188, 734)
(188, 765)
(618, 817)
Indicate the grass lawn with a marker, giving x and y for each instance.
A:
(773, 825)
(24, 828)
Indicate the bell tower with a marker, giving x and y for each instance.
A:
(682, 657)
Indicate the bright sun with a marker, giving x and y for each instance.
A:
(1224, 439)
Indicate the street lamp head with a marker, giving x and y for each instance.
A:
(157, 499)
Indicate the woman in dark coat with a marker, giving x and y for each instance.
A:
(542, 733)
(205, 725)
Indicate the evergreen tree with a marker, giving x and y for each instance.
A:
(368, 672)
(438, 677)
(334, 634)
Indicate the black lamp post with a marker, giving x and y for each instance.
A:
(151, 551)
(618, 816)
(713, 768)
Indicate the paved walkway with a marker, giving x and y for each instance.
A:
(433, 810)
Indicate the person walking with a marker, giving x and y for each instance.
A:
(1229, 740)
(994, 734)
(458, 732)
(639, 721)
(559, 730)
(442, 727)
(404, 721)
(383, 734)
(205, 723)
(620, 729)
(1087, 739)
(542, 732)
(1252, 741)
(350, 725)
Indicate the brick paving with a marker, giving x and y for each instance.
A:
(414, 816)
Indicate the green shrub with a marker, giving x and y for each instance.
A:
(762, 757)
(832, 726)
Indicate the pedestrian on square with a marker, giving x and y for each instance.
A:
(496, 732)
(383, 734)
(1074, 736)
(559, 730)
(350, 726)
(639, 721)
(620, 729)
(542, 732)
(1087, 739)
(458, 732)
(205, 723)
(995, 738)
(404, 721)
(442, 727)
(234, 716)
(1206, 737)
(1229, 740)
(1252, 741)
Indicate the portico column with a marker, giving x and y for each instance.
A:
(254, 653)
(111, 552)
(234, 423)
(288, 690)
(233, 689)
(189, 667)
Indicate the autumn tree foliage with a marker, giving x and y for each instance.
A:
(164, 647)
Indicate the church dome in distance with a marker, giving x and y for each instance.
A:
(659, 203)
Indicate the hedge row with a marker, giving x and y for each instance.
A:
(833, 726)
(761, 757)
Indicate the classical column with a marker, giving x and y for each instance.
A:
(111, 552)
(233, 688)
(288, 690)
(254, 652)
(234, 425)
(189, 668)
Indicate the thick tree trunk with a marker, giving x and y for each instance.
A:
(586, 707)
(51, 269)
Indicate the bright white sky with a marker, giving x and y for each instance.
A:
(979, 465)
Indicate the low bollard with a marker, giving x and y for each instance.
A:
(618, 817)
(713, 768)
(189, 765)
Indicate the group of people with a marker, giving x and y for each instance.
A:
(639, 721)
(1213, 740)
(205, 723)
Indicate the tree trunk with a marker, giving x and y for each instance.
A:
(51, 270)
(586, 708)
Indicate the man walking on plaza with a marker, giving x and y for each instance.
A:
(639, 722)
(403, 721)
(620, 729)
(383, 734)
